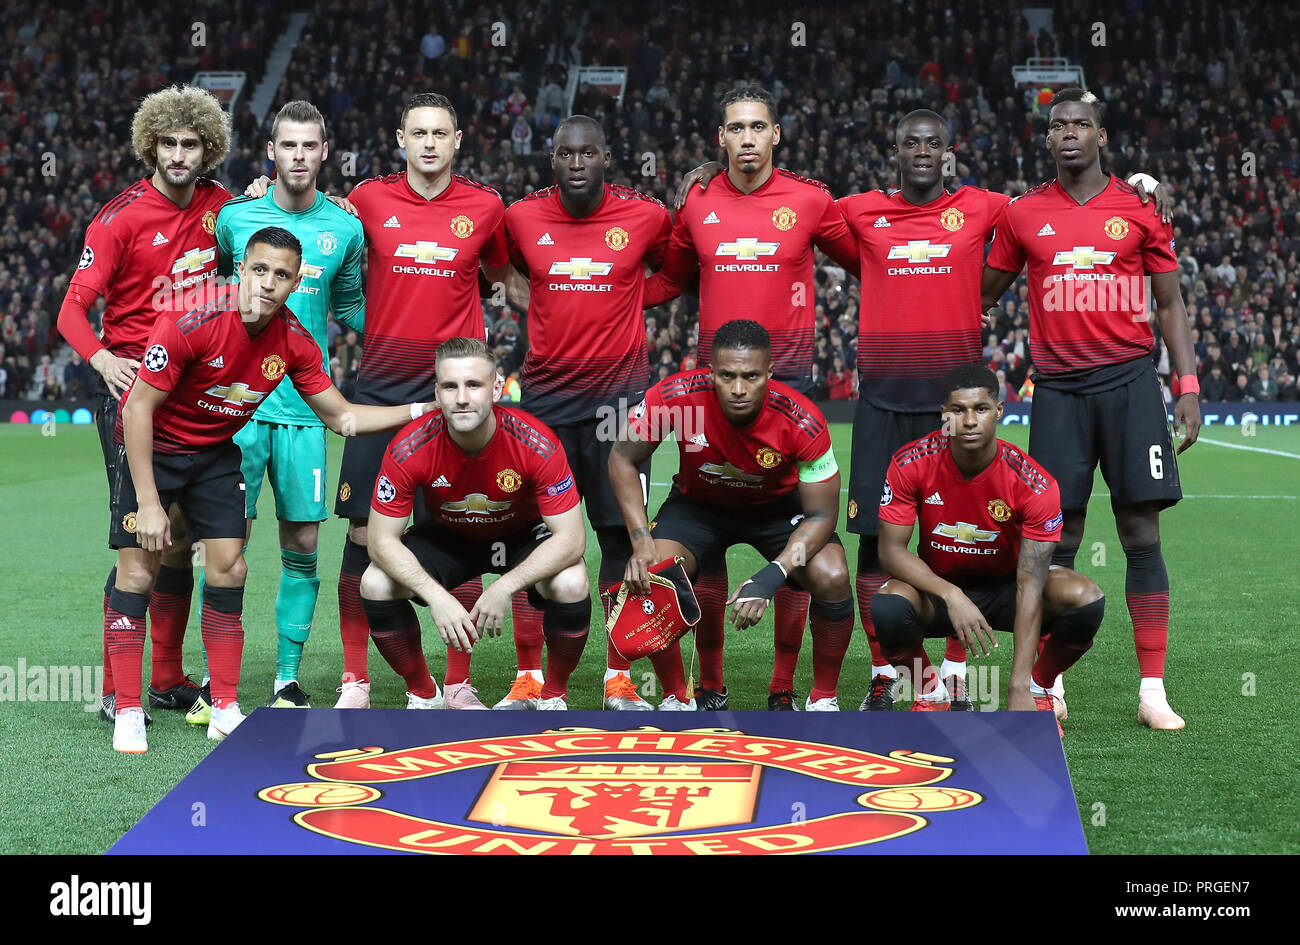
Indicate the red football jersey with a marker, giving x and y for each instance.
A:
(586, 331)
(1087, 297)
(422, 278)
(755, 255)
(141, 246)
(921, 271)
(723, 464)
(970, 528)
(521, 475)
(217, 374)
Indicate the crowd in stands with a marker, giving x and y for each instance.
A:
(1198, 94)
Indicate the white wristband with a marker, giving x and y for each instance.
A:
(1149, 183)
(417, 411)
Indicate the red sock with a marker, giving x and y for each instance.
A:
(1056, 657)
(612, 658)
(866, 586)
(396, 631)
(527, 622)
(108, 663)
(953, 650)
(668, 666)
(711, 591)
(124, 642)
(169, 611)
(458, 660)
(832, 629)
(1150, 615)
(223, 637)
(791, 615)
(566, 628)
(353, 627)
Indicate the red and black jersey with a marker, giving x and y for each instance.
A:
(521, 475)
(586, 331)
(217, 374)
(970, 528)
(755, 256)
(141, 246)
(422, 279)
(1087, 263)
(723, 464)
(921, 271)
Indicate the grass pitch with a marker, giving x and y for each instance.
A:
(1223, 785)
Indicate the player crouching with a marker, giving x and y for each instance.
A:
(990, 518)
(497, 496)
(203, 374)
(756, 468)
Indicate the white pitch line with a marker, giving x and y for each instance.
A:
(1252, 449)
(1106, 495)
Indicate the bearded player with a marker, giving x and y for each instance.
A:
(752, 237)
(756, 468)
(1088, 248)
(285, 438)
(154, 241)
(989, 520)
(200, 379)
(499, 497)
(585, 246)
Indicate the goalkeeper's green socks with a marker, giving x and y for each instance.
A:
(295, 603)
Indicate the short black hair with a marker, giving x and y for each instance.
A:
(274, 236)
(741, 333)
(967, 376)
(583, 120)
(748, 92)
(1076, 94)
(923, 113)
(429, 100)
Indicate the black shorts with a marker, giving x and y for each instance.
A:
(106, 407)
(995, 598)
(207, 485)
(452, 559)
(362, 457)
(587, 446)
(1126, 428)
(802, 383)
(877, 435)
(708, 531)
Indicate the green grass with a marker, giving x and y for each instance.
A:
(1223, 785)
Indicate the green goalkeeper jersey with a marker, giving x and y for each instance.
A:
(333, 246)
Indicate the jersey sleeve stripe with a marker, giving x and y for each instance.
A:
(787, 406)
(403, 449)
(528, 435)
(1028, 474)
(120, 203)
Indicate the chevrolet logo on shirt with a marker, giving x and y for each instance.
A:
(965, 532)
(920, 251)
(426, 251)
(475, 504)
(308, 271)
(580, 267)
(1083, 257)
(194, 260)
(747, 247)
(729, 472)
(236, 393)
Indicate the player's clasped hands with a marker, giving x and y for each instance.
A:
(489, 613)
(453, 622)
(972, 629)
(152, 528)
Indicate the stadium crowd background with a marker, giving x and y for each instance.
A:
(1197, 94)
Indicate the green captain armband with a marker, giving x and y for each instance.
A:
(819, 469)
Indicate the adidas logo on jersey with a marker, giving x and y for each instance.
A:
(441, 483)
(121, 623)
(546, 240)
(218, 362)
(882, 222)
(1047, 230)
(699, 439)
(159, 239)
(392, 221)
(934, 500)
(712, 218)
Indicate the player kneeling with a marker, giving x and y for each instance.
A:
(756, 468)
(498, 496)
(990, 518)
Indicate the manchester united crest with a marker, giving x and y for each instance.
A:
(462, 226)
(952, 219)
(767, 457)
(273, 367)
(509, 481)
(209, 223)
(783, 218)
(345, 491)
(999, 510)
(128, 522)
(853, 508)
(327, 242)
(1116, 228)
(616, 238)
